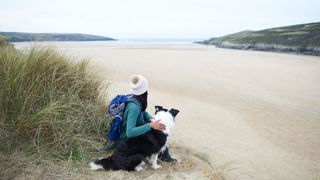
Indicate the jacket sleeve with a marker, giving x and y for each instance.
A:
(146, 116)
(132, 117)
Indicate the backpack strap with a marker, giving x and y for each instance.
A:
(132, 99)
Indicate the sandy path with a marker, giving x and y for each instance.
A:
(255, 113)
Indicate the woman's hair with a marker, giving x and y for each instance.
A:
(143, 100)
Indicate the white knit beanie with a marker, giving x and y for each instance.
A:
(138, 84)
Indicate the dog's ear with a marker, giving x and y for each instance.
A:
(158, 108)
(174, 112)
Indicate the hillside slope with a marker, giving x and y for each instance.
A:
(20, 37)
(303, 38)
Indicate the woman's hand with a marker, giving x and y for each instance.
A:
(157, 125)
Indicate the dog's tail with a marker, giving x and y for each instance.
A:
(105, 163)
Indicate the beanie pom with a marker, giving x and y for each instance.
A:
(138, 84)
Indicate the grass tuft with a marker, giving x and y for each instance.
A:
(49, 104)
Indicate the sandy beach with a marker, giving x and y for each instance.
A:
(245, 114)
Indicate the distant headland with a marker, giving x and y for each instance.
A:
(302, 39)
(23, 37)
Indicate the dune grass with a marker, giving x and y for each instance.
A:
(49, 105)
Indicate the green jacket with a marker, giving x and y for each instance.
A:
(134, 122)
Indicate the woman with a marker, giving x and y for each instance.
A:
(136, 121)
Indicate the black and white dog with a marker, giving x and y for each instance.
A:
(132, 153)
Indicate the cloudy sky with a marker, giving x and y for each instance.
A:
(154, 18)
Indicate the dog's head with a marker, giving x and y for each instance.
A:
(167, 117)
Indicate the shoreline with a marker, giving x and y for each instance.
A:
(148, 45)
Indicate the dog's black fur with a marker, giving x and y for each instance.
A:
(130, 152)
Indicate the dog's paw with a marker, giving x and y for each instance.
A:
(156, 166)
(142, 163)
(94, 166)
(138, 168)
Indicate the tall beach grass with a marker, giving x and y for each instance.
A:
(48, 103)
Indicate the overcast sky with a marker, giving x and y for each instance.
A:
(154, 18)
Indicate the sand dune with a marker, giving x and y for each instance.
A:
(252, 115)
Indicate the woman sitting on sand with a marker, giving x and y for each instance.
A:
(136, 121)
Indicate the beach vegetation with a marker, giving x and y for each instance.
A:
(50, 104)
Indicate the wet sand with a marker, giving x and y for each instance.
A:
(253, 115)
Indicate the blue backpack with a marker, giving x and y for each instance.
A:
(116, 109)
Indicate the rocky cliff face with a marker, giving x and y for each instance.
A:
(270, 47)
